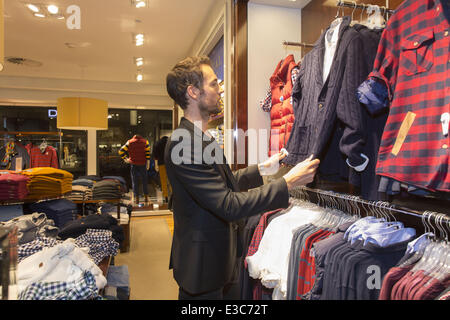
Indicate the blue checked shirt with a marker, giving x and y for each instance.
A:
(81, 289)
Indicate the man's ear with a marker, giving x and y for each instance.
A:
(193, 92)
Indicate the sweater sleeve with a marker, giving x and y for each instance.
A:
(123, 151)
(348, 109)
(147, 150)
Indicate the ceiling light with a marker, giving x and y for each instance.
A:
(139, 77)
(52, 9)
(139, 61)
(33, 8)
(139, 3)
(40, 15)
(139, 39)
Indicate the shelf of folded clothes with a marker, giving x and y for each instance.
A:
(46, 182)
(13, 186)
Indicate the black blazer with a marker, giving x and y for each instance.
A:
(207, 206)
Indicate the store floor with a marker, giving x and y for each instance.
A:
(148, 259)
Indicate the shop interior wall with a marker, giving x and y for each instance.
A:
(268, 27)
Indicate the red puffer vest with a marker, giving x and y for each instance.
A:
(136, 150)
(282, 113)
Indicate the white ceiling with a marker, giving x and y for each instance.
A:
(105, 37)
(101, 63)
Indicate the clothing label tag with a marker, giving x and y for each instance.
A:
(403, 132)
(445, 117)
(19, 164)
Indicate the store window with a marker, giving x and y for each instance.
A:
(30, 127)
(123, 124)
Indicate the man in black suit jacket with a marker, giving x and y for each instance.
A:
(207, 198)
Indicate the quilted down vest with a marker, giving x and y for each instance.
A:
(137, 150)
(282, 113)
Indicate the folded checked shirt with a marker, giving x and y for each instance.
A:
(99, 245)
(83, 288)
(63, 262)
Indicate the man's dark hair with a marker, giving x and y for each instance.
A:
(185, 73)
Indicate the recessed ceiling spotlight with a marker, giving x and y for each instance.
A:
(139, 77)
(39, 15)
(139, 3)
(139, 61)
(52, 9)
(32, 7)
(139, 39)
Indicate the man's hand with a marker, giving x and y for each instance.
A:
(271, 165)
(147, 165)
(126, 160)
(302, 174)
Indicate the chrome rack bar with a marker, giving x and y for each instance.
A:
(299, 192)
(362, 6)
(298, 44)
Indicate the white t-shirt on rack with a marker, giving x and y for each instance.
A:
(271, 262)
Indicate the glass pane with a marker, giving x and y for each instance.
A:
(123, 124)
(32, 127)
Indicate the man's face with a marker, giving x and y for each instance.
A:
(210, 97)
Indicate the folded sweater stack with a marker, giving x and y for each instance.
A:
(61, 211)
(13, 186)
(46, 182)
(107, 189)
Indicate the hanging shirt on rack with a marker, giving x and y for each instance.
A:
(411, 76)
(270, 262)
(46, 158)
(331, 39)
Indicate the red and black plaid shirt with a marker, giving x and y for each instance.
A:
(413, 62)
(258, 233)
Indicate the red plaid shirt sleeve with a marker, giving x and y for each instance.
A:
(412, 64)
(258, 234)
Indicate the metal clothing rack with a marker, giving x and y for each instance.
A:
(361, 6)
(298, 44)
(353, 204)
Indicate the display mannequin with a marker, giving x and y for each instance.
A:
(136, 152)
(158, 155)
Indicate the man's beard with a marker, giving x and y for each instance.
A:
(205, 109)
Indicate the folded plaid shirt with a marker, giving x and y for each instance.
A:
(27, 249)
(266, 103)
(100, 244)
(81, 289)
